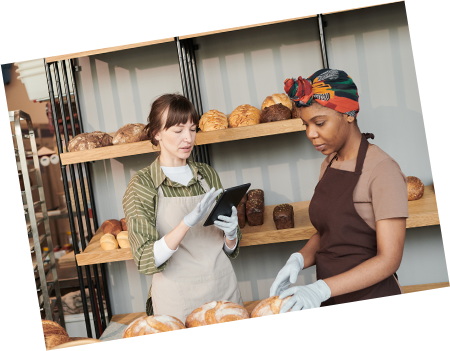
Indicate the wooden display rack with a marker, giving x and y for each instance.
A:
(422, 212)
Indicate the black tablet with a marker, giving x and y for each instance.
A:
(229, 198)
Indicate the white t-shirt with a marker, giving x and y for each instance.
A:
(182, 175)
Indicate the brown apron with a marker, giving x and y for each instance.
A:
(346, 240)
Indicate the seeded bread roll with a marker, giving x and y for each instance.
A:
(151, 325)
(283, 216)
(277, 99)
(254, 209)
(256, 194)
(130, 133)
(88, 141)
(111, 226)
(274, 113)
(108, 242)
(415, 188)
(269, 306)
(241, 214)
(244, 115)
(122, 240)
(216, 312)
(123, 223)
(213, 120)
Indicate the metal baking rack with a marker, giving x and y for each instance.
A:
(43, 288)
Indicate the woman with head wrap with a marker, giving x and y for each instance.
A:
(359, 207)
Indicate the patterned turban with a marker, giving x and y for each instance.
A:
(331, 88)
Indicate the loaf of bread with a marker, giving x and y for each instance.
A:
(152, 325)
(123, 223)
(54, 334)
(88, 141)
(244, 115)
(295, 112)
(283, 216)
(130, 133)
(415, 188)
(216, 312)
(108, 242)
(254, 210)
(275, 99)
(241, 214)
(256, 194)
(122, 240)
(76, 342)
(111, 226)
(269, 306)
(274, 113)
(213, 120)
(244, 199)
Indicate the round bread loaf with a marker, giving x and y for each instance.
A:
(415, 188)
(122, 240)
(130, 133)
(277, 99)
(111, 226)
(295, 112)
(274, 113)
(88, 141)
(213, 120)
(54, 334)
(216, 312)
(152, 325)
(269, 306)
(123, 223)
(244, 115)
(108, 242)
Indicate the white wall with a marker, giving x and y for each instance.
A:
(371, 45)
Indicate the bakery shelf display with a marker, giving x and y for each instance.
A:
(422, 212)
(203, 138)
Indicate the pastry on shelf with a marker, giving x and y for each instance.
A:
(108, 242)
(415, 188)
(274, 113)
(216, 312)
(122, 240)
(275, 99)
(123, 223)
(241, 214)
(269, 306)
(256, 194)
(254, 210)
(54, 334)
(130, 133)
(244, 115)
(88, 141)
(213, 120)
(111, 226)
(283, 216)
(152, 325)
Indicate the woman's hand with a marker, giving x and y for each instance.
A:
(288, 274)
(202, 208)
(305, 297)
(229, 224)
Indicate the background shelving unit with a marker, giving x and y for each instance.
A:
(39, 256)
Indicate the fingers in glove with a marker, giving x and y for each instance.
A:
(298, 304)
(282, 287)
(288, 292)
(288, 305)
(207, 198)
(293, 275)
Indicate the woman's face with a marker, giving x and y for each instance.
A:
(177, 141)
(326, 128)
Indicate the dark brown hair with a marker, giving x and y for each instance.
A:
(179, 111)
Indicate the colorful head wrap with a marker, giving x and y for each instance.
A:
(331, 88)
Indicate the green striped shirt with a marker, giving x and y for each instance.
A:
(140, 204)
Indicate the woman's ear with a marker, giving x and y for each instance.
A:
(348, 118)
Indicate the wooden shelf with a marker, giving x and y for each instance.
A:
(203, 138)
(422, 212)
(127, 318)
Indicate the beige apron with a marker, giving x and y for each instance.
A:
(200, 271)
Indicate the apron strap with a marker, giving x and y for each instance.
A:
(160, 192)
(203, 183)
(363, 146)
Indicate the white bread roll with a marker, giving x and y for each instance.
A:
(108, 242)
(151, 325)
(216, 312)
(122, 239)
(277, 99)
(269, 306)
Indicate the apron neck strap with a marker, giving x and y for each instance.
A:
(363, 146)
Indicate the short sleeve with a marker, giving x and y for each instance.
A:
(138, 206)
(388, 191)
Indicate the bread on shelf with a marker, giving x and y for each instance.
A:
(254, 210)
(111, 226)
(213, 120)
(54, 334)
(244, 115)
(274, 113)
(255, 194)
(216, 312)
(123, 223)
(283, 216)
(152, 325)
(108, 242)
(88, 141)
(130, 133)
(275, 99)
(415, 188)
(241, 214)
(122, 240)
(269, 306)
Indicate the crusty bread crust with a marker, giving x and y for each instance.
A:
(415, 188)
(269, 306)
(244, 115)
(152, 325)
(216, 312)
(213, 120)
(277, 99)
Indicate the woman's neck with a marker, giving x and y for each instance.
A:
(168, 161)
(350, 148)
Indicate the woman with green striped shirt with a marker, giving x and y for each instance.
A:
(165, 206)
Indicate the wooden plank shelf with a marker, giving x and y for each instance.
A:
(128, 318)
(422, 212)
(203, 138)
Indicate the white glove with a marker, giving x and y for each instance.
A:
(229, 224)
(305, 297)
(288, 274)
(202, 208)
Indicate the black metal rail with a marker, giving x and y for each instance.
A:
(323, 45)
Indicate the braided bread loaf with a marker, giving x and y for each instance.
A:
(216, 312)
(269, 306)
(152, 325)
